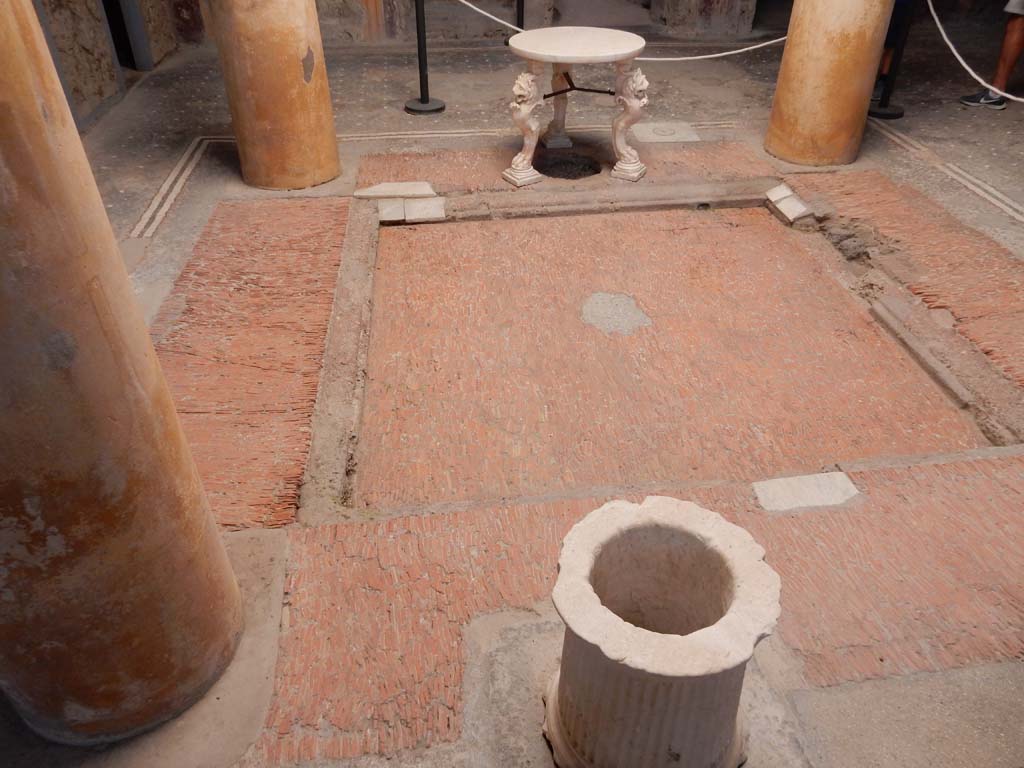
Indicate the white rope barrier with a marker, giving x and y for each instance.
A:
(931, 7)
(492, 18)
(718, 55)
(964, 64)
(514, 28)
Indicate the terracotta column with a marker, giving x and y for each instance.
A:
(273, 62)
(825, 82)
(118, 608)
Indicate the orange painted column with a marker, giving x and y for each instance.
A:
(825, 81)
(118, 607)
(273, 63)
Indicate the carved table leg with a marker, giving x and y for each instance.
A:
(527, 96)
(555, 136)
(631, 94)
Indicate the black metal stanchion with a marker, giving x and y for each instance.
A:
(424, 105)
(520, 16)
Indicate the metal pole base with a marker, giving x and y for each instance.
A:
(888, 112)
(417, 107)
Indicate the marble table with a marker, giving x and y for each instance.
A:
(563, 47)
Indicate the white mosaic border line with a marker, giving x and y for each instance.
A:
(980, 188)
(172, 186)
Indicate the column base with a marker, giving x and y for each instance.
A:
(556, 141)
(629, 171)
(566, 757)
(888, 112)
(430, 107)
(520, 178)
(59, 732)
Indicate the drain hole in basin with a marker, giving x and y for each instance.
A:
(560, 165)
(663, 580)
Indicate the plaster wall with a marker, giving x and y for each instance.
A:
(78, 34)
(394, 20)
(81, 47)
(156, 15)
(188, 20)
(705, 17)
(356, 20)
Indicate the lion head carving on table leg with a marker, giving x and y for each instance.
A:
(526, 97)
(631, 94)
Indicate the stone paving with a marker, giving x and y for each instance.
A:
(242, 363)
(519, 373)
(473, 171)
(948, 265)
(920, 573)
(484, 381)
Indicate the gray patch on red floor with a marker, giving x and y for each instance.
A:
(614, 313)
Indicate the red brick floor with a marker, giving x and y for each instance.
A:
(485, 383)
(371, 659)
(925, 573)
(451, 171)
(241, 339)
(950, 265)
(705, 161)
(447, 170)
(920, 573)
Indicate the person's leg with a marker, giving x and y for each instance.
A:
(883, 74)
(1013, 46)
(886, 65)
(1009, 54)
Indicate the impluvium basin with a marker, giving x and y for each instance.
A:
(663, 604)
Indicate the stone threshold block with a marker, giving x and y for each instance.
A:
(787, 494)
(410, 211)
(396, 189)
(391, 210)
(788, 206)
(423, 211)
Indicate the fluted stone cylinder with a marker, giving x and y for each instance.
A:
(663, 604)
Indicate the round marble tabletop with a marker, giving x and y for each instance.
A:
(576, 45)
